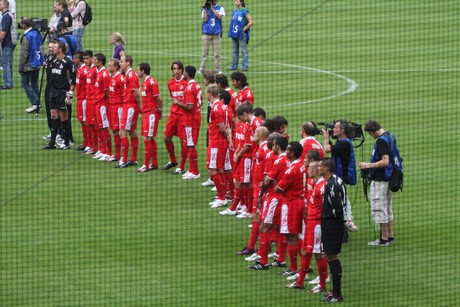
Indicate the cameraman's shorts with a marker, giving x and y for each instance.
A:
(381, 200)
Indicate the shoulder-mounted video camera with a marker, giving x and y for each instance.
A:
(355, 134)
(39, 24)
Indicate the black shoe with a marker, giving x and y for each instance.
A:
(48, 146)
(170, 165)
(80, 147)
(278, 264)
(258, 266)
(131, 163)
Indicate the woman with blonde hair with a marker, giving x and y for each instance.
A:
(119, 42)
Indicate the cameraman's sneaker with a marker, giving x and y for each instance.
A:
(32, 108)
(379, 242)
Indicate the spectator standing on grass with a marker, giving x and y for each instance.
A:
(211, 33)
(30, 61)
(240, 32)
(381, 197)
(343, 154)
(78, 9)
(119, 42)
(8, 44)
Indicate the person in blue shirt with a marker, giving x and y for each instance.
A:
(211, 34)
(68, 39)
(239, 32)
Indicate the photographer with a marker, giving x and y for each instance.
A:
(212, 15)
(30, 61)
(381, 197)
(343, 155)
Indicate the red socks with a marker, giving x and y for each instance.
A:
(170, 149)
(134, 148)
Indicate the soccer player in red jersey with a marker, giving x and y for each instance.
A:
(191, 121)
(271, 209)
(91, 76)
(101, 96)
(116, 89)
(176, 86)
(152, 107)
(219, 141)
(281, 124)
(131, 109)
(312, 238)
(80, 92)
(292, 186)
(308, 141)
(244, 91)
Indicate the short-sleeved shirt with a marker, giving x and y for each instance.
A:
(192, 95)
(91, 76)
(238, 134)
(244, 95)
(310, 143)
(116, 52)
(259, 162)
(131, 84)
(102, 85)
(150, 91)
(278, 170)
(62, 74)
(116, 88)
(66, 13)
(80, 82)
(176, 91)
(218, 116)
(315, 202)
(292, 182)
(7, 22)
(382, 149)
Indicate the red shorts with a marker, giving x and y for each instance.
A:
(102, 117)
(243, 170)
(115, 116)
(292, 216)
(271, 211)
(129, 118)
(173, 125)
(216, 158)
(91, 113)
(312, 238)
(150, 122)
(191, 135)
(81, 110)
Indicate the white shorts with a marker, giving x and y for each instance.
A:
(381, 200)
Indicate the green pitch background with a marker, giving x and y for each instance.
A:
(77, 232)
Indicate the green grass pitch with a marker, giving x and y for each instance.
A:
(77, 232)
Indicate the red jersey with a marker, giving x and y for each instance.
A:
(116, 88)
(259, 162)
(310, 143)
(176, 91)
(232, 103)
(244, 95)
(91, 76)
(217, 116)
(80, 82)
(102, 85)
(310, 185)
(149, 92)
(270, 159)
(277, 171)
(238, 135)
(248, 133)
(255, 123)
(316, 200)
(192, 95)
(131, 84)
(293, 183)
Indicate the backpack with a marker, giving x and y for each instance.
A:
(88, 17)
(397, 175)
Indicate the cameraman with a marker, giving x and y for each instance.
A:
(212, 15)
(30, 61)
(343, 154)
(381, 197)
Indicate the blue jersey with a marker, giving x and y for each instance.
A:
(237, 23)
(213, 26)
(35, 55)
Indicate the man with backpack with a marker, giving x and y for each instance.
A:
(81, 12)
(30, 61)
(384, 162)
